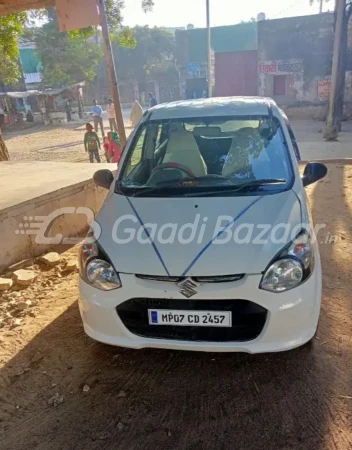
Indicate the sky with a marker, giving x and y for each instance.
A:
(179, 13)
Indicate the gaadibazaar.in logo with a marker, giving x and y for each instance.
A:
(40, 226)
(128, 228)
(125, 231)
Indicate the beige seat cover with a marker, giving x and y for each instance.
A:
(182, 148)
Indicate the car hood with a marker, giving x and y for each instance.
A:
(224, 239)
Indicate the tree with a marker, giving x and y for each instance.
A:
(339, 100)
(11, 27)
(152, 56)
(154, 46)
(67, 58)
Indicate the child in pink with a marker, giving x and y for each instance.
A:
(106, 145)
(114, 151)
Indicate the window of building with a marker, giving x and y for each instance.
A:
(280, 84)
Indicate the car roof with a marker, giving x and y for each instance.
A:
(210, 107)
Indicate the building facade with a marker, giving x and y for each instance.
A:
(287, 59)
(295, 57)
(234, 60)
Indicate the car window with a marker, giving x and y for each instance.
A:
(207, 153)
(135, 157)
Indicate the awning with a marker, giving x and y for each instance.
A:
(51, 92)
(47, 92)
(24, 94)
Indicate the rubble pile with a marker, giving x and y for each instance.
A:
(24, 284)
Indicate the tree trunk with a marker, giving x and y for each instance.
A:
(342, 69)
(330, 129)
(4, 154)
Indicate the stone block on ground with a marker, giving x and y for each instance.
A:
(5, 284)
(71, 265)
(24, 277)
(51, 259)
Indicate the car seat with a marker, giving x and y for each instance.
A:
(182, 148)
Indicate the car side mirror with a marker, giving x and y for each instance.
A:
(314, 171)
(103, 178)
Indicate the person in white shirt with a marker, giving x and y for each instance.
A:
(111, 115)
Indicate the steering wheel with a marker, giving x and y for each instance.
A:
(174, 165)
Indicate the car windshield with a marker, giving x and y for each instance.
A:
(206, 156)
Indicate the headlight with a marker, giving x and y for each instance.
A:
(291, 266)
(88, 251)
(96, 269)
(102, 275)
(283, 275)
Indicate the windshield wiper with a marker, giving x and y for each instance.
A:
(162, 188)
(155, 190)
(175, 183)
(248, 185)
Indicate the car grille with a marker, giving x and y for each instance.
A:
(209, 279)
(248, 319)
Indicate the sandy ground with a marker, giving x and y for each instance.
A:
(168, 400)
(48, 143)
(313, 146)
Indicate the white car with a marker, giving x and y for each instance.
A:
(205, 240)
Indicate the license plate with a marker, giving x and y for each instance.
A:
(190, 318)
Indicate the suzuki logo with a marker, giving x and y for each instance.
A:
(188, 287)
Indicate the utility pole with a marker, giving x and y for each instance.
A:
(112, 72)
(210, 72)
(321, 6)
(330, 130)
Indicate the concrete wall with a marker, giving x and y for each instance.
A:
(307, 42)
(16, 247)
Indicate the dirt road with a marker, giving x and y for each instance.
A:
(165, 400)
(49, 143)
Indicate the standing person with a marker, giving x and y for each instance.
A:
(106, 145)
(29, 116)
(152, 100)
(136, 113)
(114, 151)
(92, 143)
(68, 111)
(111, 114)
(2, 116)
(97, 111)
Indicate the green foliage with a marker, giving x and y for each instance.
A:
(124, 38)
(67, 58)
(113, 13)
(147, 5)
(154, 46)
(11, 26)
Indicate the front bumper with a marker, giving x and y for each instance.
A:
(292, 316)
